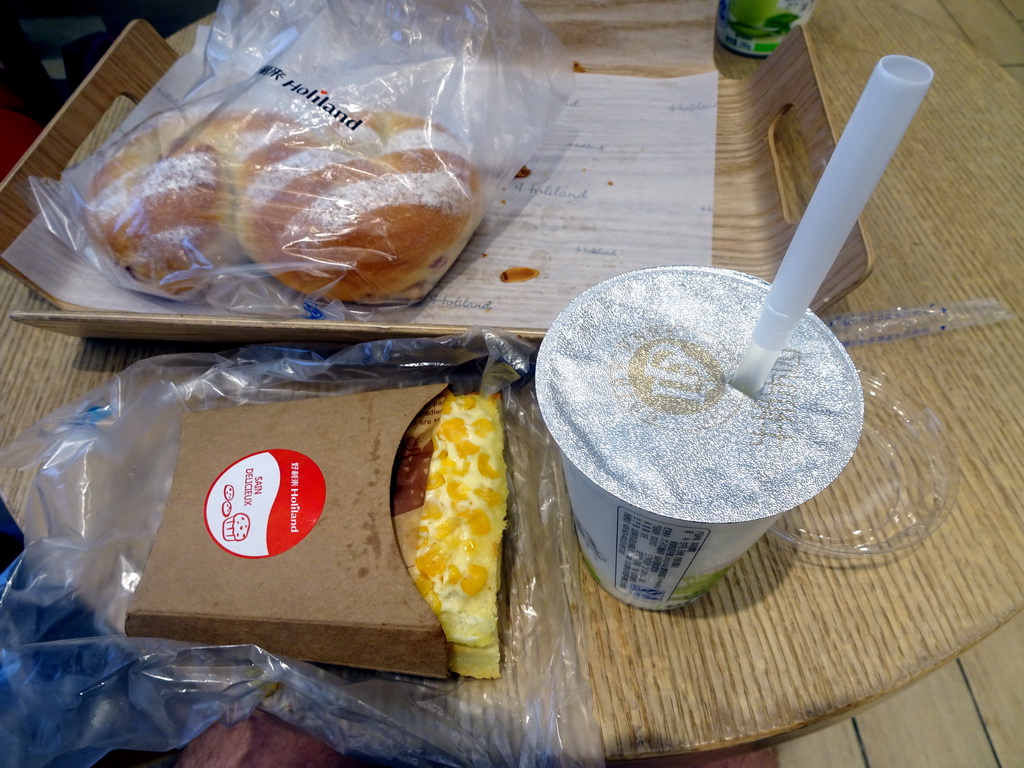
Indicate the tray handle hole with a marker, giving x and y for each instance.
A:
(792, 163)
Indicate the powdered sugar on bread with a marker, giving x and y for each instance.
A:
(329, 213)
(397, 186)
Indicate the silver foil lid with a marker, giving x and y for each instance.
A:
(632, 380)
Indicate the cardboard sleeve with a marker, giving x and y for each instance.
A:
(338, 590)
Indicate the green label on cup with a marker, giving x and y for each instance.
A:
(694, 586)
(756, 27)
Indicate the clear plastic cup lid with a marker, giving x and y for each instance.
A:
(896, 490)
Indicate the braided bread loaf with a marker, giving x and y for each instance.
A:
(380, 220)
(373, 215)
(160, 206)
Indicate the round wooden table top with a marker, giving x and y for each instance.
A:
(787, 641)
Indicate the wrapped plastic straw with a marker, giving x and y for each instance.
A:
(856, 328)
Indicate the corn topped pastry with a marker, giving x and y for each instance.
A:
(456, 564)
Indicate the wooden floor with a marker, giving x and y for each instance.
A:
(969, 713)
(966, 714)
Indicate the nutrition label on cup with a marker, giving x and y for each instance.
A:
(652, 557)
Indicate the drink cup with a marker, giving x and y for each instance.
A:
(756, 27)
(672, 473)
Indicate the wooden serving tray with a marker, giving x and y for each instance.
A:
(774, 137)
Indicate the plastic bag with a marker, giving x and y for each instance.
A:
(332, 158)
(73, 687)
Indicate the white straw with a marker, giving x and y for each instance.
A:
(891, 97)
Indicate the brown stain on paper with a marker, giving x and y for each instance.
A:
(519, 274)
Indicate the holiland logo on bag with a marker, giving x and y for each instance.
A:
(265, 503)
(316, 96)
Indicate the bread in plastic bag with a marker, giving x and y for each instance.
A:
(73, 687)
(350, 166)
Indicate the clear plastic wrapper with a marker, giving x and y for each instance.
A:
(332, 159)
(73, 686)
(856, 328)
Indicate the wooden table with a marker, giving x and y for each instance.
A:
(786, 643)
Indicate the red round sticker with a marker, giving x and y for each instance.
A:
(265, 503)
